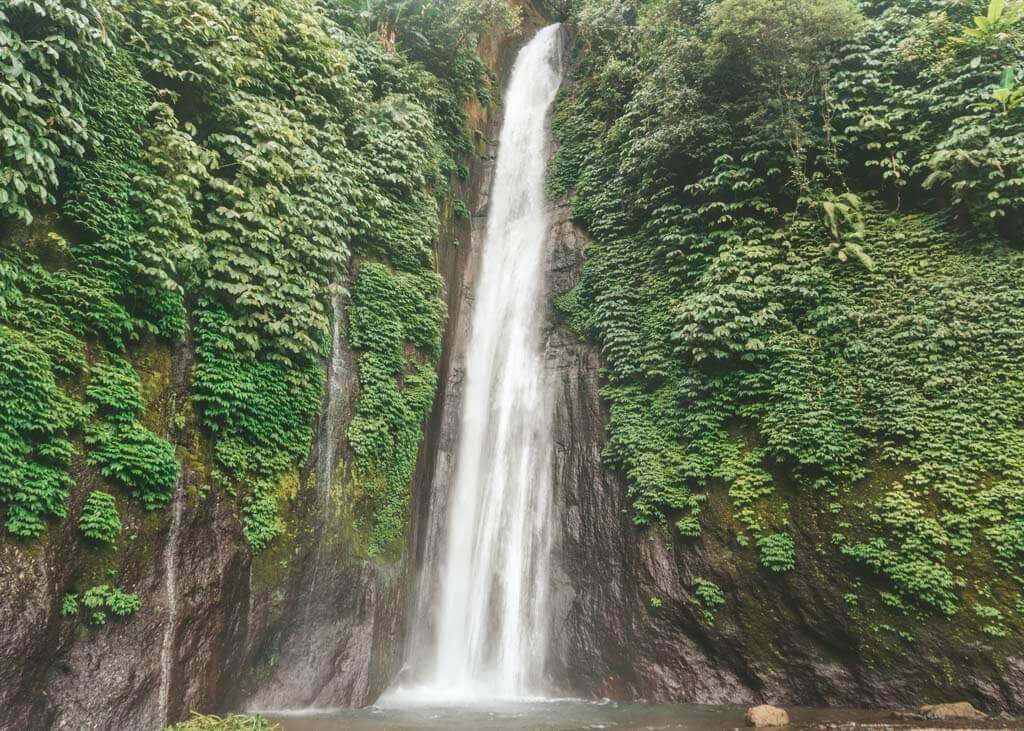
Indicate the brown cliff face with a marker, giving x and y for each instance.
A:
(52, 675)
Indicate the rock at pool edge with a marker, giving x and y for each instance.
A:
(765, 716)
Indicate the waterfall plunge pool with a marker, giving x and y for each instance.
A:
(573, 715)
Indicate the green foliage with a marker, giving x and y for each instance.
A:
(994, 619)
(40, 109)
(1008, 93)
(999, 19)
(228, 155)
(311, 138)
(844, 218)
(118, 444)
(99, 519)
(780, 37)
(913, 103)
(35, 416)
(69, 605)
(97, 277)
(708, 597)
(260, 412)
(101, 601)
(441, 36)
(780, 283)
(778, 552)
(390, 312)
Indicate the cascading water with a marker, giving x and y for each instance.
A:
(486, 574)
(330, 432)
(171, 590)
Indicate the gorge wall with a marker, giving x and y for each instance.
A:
(311, 620)
(643, 610)
(786, 641)
(780, 524)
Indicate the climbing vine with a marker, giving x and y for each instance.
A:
(391, 311)
(806, 224)
(178, 168)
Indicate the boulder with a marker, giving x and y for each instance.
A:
(941, 711)
(764, 716)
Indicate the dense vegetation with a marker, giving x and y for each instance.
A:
(183, 174)
(807, 224)
(805, 278)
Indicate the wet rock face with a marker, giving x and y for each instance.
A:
(627, 623)
(325, 632)
(609, 640)
(62, 673)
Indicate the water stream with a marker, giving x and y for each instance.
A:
(170, 587)
(330, 434)
(487, 564)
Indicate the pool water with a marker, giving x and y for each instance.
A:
(576, 715)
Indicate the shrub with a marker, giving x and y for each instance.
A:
(709, 597)
(778, 552)
(779, 37)
(35, 416)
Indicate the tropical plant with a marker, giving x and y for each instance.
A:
(739, 351)
(103, 599)
(1009, 94)
(99, 519)
(1000, 17)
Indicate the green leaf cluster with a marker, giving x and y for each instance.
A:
(709, 598)
(91, 274)
(215, 164)
(99, 602)
(99, 519)
(40, 109)
(391, 313)
(34, 449)
(118, 444)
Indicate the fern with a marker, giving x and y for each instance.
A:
(99, 519)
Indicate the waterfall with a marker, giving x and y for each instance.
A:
(170, 587)
(487, 563)
(330, 435)
(334, 406)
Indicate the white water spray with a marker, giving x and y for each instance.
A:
(488, 557)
